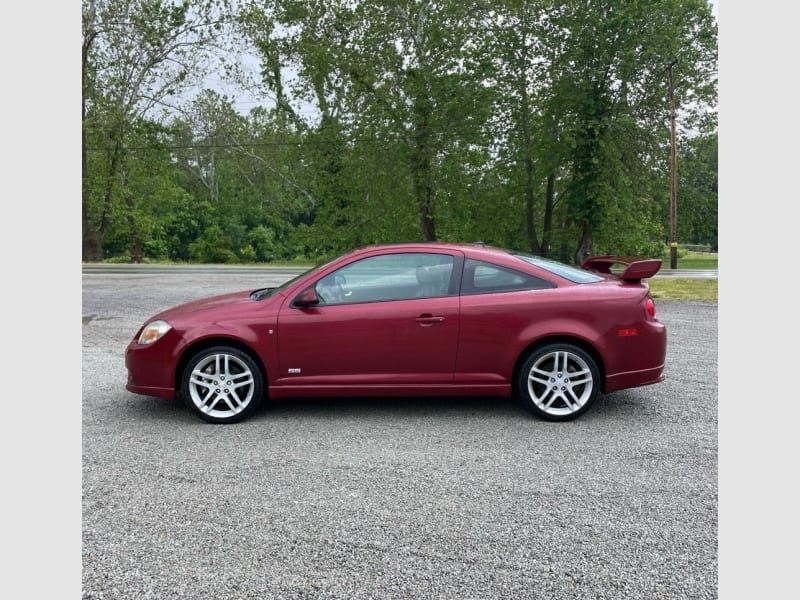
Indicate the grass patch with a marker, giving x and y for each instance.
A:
(695, 260)
(681, 288)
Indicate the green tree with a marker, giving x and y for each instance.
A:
(608, 81)
(698, 182)
(138, 55)
(151, 194)
(529, 124)
(389, 73)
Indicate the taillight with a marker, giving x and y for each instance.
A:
(650, 307)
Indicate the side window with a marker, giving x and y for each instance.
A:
(331, 289)
(388, 277)
(482, 277)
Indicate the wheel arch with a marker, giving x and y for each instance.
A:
(560, 339)
(204, 343)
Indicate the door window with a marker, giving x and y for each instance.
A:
(388, 277)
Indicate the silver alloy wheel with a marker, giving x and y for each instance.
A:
(560, 383)
(221, 385)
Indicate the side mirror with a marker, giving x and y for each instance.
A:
(308, 297)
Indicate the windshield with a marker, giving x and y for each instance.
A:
(262, 293)
(574, 274)
(289, 282)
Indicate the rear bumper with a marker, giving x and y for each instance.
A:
(621, 381)
(159, 392)
(639, 360)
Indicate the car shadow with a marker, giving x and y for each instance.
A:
(148, 408)
(396, 407)
(621, 405)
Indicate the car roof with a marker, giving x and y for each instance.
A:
(469, 248)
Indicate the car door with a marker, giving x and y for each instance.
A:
(388, 319)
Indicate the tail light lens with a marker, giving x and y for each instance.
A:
(650, 307)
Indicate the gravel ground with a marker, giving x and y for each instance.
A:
(408, 498)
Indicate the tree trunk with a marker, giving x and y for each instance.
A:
(585, 245)
(530, 226)
(547, 230)
(423, 188)
(426, 225)
(98, 235)
(421, 166)
(133, 227)
(90, 245)
(563, 252)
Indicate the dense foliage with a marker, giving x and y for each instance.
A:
(540, 125)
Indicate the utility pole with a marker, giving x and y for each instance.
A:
(673, 208)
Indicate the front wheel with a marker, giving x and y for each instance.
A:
(558, 382)
(222, 385)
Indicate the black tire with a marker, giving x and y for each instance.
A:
(558, 382)
(222, 385)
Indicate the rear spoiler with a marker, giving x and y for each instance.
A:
(636, 268)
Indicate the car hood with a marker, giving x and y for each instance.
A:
(204, 305)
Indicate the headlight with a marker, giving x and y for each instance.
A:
(154, 331)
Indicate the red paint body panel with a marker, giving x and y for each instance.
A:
(369, 343)
(451, 344)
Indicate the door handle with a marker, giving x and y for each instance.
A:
(427, 320)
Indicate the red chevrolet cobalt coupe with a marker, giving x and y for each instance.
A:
(417, 319)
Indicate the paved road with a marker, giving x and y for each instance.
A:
(404, 498)
(690, 273)
(189, 269)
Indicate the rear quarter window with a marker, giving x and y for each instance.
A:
(482, 277)
(573, 274)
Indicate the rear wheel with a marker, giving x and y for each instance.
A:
(558, 382)
(222, 385)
